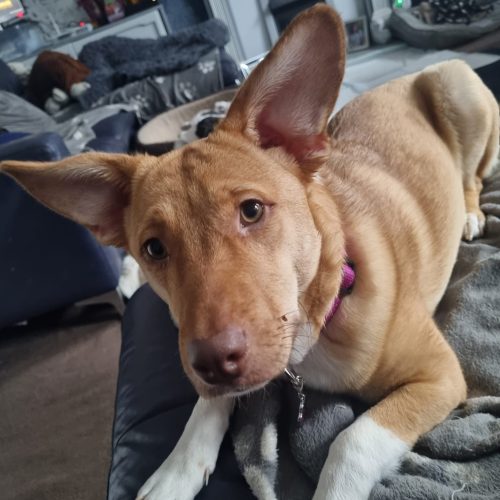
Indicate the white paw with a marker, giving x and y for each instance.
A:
(51, 106)
(176, 480)
(188, 467)
(359, 457)
(78, 89)
(60, 96)
(474, 226)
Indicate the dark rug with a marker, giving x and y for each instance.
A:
(57, 389)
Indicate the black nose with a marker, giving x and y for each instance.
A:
(219, 360)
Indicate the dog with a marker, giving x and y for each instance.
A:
(246, 234)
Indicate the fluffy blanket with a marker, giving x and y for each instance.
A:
(116, 61)
(459, 459)
(156, 94)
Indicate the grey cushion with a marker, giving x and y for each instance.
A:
(18, 115)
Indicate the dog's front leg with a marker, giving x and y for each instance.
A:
(193, 459)
(358, 458)
(373, 446)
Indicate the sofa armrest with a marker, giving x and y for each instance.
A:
(47, 262)
(47, 146)
(114, 134)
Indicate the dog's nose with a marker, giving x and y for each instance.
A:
(219, 359)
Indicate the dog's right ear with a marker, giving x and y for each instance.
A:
(288, 98)
(92, 189)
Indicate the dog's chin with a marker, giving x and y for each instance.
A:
(245, 391)
(207, 391)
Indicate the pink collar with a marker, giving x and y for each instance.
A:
(348, 279)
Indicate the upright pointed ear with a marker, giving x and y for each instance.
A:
(92, 189)
(288, 98)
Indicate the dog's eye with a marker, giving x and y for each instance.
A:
(155, 249)
(251, 211)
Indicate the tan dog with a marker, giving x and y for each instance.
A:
(245, 235)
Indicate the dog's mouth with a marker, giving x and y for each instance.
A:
(212, 391)
(256, 374)
(243, 391)
(225, 366)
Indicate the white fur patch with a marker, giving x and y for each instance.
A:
(259, 483)
(187, 468)
(302, 344)
(79, 88)
(359, 457)
(473, 227)
(269, 444)
(321, 370)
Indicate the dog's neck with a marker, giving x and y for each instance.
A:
(346, 287)
(348, 279)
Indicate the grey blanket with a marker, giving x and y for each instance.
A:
(157, 94)
(459, 459)
(18, 115)
(116, 61)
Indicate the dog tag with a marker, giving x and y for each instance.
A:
(298, 384)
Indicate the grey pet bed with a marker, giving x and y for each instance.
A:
(406, 26)
(160, 134)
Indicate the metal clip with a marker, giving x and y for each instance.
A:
(298, 384)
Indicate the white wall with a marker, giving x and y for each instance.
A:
(348, 9)
(252, 30)
(247, 27)
(252, 27)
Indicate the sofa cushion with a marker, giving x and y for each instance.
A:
(114, 134)
(9, 81)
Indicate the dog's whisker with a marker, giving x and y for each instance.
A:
(284, 315)
(288, 327)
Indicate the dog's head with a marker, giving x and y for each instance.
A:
(236, 232)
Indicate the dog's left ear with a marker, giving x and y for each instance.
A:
(92, 189)
(288, 98)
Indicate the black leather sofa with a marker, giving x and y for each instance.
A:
(153, 402)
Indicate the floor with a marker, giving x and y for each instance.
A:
(57, 389)
(371, 68)
(379, 64)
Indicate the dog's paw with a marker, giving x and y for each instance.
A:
(188, 467)
(176, 480)
(358, 458)
(474, 225)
